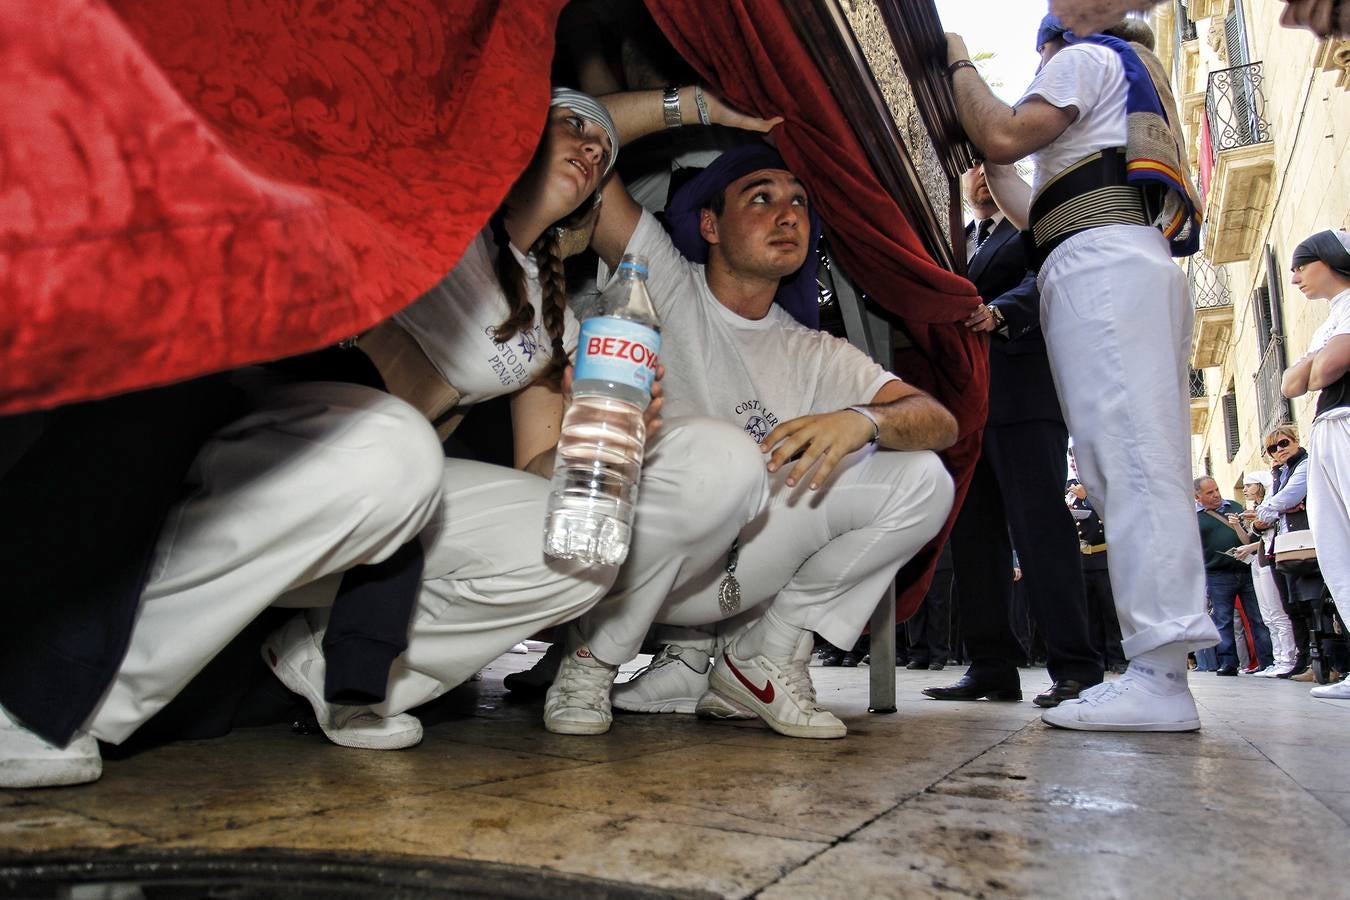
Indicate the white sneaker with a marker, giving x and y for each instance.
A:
(672, 683)
(519, 648)
(1125, 704)
(1278, 671)
(1338, 691)
(578, 700)
(28, 761)
(779, 691)
(295, 654)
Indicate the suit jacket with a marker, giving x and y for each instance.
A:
(1021, 388)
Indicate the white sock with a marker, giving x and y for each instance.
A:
(1162, 670)
(771, 637)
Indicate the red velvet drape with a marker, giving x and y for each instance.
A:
(749, 52)
(187, 187)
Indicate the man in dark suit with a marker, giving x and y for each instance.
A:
(1018, 486)
(1103, 627)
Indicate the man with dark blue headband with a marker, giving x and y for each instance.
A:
(1108, 208)
(851, 488)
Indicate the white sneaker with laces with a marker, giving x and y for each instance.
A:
(1125, 704)
(1338, 691)
(295, 653)
(578, 700)
(671, 683)
(779, 691)
(28, 761)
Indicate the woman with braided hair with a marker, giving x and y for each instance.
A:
(498, 324)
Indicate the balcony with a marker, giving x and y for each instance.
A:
(1213, 312)
(1271, 407)
(1204, 9)
(1244, 162)
(1199, 402)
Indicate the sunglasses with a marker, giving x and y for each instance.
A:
(1278, 445)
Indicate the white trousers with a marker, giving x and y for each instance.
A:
(488, 584)
(317, 478)
(1329, 504)
(1117, 317)
(1272, 610)
(820, 560)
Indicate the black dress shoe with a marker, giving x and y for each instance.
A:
(917, 664)
(935, 667)
(850, 659)
(831, 657)
(1227, 671)
(969, 687)
(1059, 692)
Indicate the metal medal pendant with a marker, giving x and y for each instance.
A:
(729, 591)
(729, 595)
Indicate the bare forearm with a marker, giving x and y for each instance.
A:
(1294, 383)
(1330, 363)
(917, 422)
(1011, 193)
(640, 113)
(983, 116)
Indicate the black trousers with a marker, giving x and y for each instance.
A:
(1018, 486)
(929, 629)
(1103, 625)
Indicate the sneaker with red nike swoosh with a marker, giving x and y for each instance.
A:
(779, 691)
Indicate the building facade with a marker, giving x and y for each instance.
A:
(1266, 111)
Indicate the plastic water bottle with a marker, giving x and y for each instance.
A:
(599, 459)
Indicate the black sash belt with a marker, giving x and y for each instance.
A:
(1089, 194)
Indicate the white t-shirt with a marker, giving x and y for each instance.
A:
(1337, 323)
(454, 321)
(757, 373)
(1092, 78)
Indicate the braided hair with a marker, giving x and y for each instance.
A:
(552, 281)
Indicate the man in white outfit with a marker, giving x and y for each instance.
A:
(1116, 316)
(841, 515)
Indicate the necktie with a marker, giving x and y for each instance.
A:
(982, 235)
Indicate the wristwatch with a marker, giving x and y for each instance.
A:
(997, 314)
(670, 106)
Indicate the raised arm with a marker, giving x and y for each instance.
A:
(640, 113)
(1003, 133)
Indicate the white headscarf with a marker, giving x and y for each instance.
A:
(592, 110)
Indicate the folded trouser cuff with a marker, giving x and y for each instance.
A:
(1195, 632)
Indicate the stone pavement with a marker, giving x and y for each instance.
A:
(939, 799)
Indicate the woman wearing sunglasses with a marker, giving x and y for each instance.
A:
(1281, 511)
(1321, 267)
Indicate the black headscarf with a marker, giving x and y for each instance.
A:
(1331, 247)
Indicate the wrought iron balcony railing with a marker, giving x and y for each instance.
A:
(1271, 406)
(1235, 105)
(1209, 284)
(1198, 391)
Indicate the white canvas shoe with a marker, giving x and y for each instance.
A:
(578, 700)
(779, 691)
(1338, 691)
(672, 683)
(28, 761)
(295, 653)
(1125, 704)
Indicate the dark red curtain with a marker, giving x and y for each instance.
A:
(187, 187)
(749, 52)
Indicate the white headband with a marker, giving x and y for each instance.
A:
(591, 110)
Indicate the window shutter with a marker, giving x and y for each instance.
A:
(1230, 424)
